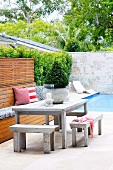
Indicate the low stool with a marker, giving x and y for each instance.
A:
(85, 126)
(20, 131)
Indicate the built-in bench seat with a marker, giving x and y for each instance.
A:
(96, 117)
(7, 111)
(20, 131)
(19, 73)
(7, 100)
(7, 117)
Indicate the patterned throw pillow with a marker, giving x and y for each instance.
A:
(21, 96)
(32, 94)
(39, 92)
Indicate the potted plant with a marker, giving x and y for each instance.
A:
(59, 78)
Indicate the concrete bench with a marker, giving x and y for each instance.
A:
(85, 126)
(20, 131)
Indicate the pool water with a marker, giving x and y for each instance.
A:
(100, 102)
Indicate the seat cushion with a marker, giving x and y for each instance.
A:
(6, 112)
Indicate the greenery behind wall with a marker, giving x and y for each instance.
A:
(42, 61)
(78, 25)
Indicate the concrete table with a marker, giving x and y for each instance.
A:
(39, 108)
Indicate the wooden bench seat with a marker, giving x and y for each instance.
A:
(15, 72)
(7, 117)
(85, 125)
(20, 131)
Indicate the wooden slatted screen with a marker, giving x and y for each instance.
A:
(16, 70)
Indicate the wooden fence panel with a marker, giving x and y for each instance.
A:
(16, 70)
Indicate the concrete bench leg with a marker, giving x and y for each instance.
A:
(47, 146)
(17, 142)
(74, 138)
(52, 141)
(74, 142)
(23, 140)
(100, 127)
(85, 136)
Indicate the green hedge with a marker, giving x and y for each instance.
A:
(42, 60)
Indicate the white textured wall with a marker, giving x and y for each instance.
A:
(94, 70)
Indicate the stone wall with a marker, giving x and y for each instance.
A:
(94, 70)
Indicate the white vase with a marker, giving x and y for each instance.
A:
(60, 95)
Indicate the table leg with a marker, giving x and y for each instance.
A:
(60, 124)
(85, 109)
(47, 119)
(17, 120)
(64, 130)
(56, 120)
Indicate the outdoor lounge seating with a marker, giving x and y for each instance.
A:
(80, 89)
(15, 73)
(6, 114)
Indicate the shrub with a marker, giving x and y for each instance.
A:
(57, 76)
(72, 46)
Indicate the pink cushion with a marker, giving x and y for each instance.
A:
(32, 95)
(21, 96)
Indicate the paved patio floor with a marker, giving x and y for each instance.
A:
(97, 156)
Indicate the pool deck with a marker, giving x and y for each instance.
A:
(97, 156)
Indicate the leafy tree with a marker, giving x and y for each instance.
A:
(72, 46)
(93, 19)
(53, 34)
(29, 9)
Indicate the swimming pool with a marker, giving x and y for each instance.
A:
(100, 102)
